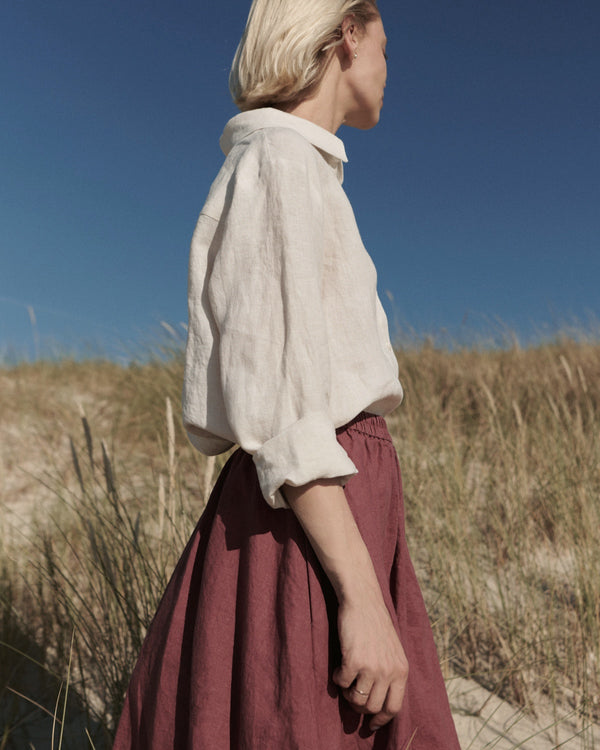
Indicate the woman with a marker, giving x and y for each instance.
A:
(294, 614)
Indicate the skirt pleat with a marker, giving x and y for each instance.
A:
(241, 651)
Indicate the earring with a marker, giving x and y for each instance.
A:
(355, 55)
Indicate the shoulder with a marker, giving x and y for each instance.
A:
(278, 146)
(274, 161)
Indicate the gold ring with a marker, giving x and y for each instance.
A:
(360, 692)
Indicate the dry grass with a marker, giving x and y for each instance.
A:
(501, 458)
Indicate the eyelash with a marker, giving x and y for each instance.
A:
(385, 55)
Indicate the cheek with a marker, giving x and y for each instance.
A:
(380, 76)
(379, 68)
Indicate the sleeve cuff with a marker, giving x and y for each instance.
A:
(303, 452)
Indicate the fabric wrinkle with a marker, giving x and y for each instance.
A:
(283, 235)
(258, 672)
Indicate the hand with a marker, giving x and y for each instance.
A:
(374, 668)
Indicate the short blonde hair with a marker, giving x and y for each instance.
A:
(282, 55)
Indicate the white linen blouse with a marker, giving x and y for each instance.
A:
(287, 338)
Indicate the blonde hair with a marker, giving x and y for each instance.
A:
(282, 55)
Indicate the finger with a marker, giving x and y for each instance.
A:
(380, 720)
(358, 694)
(377, 698)
(395, 696)
(391, 705)
(344, 676)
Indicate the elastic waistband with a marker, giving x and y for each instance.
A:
(368, 424)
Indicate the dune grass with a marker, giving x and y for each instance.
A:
(502, 463)
(500, 454)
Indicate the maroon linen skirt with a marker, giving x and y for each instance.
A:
(242, 648)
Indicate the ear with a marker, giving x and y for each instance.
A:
(349, 37)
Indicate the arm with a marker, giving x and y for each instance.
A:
(266, 291)
(374, 668)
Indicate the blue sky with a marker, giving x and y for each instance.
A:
(477, 195)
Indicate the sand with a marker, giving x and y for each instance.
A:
(484, 721)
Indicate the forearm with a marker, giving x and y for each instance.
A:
(324, 513)
(373, 669)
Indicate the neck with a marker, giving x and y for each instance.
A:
(325, 106)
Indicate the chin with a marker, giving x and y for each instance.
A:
(370, 123)
(364, 121)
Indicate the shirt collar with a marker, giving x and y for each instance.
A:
(242, 125)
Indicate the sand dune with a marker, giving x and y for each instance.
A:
(484, 721)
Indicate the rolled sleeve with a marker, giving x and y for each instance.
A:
(305, 451)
